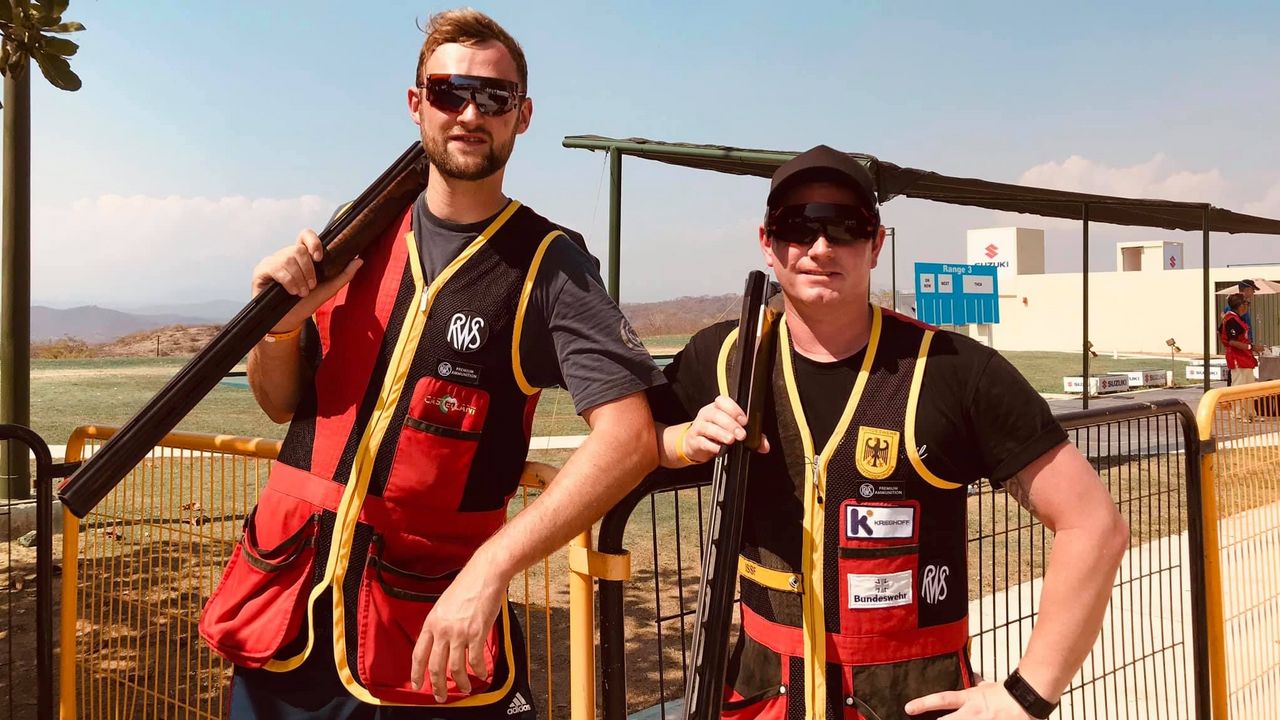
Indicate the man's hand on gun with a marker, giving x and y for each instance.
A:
(718, 425)
(295, 268)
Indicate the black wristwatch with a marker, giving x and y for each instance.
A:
(1027, 697)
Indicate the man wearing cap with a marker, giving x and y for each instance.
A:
(854, 579)
(1245, 288)
(1237, 340)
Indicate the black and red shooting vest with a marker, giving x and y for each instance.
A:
(853, 568)
(399, 463)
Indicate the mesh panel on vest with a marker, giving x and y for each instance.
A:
(883, 405)
(360, 541)
(795, 689)
(404, 299)
(301, 436)
(835, 691)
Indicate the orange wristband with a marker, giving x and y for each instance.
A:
(280, 337)
(680, 445)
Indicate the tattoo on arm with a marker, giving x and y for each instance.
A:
(1019, 488)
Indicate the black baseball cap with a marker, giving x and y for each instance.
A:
(1247, 283)
(825, 164)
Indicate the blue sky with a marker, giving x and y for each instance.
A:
(207, 133)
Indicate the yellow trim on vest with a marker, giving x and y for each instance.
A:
(814, 620)
(722, 362)
(362, 468)
(525, 292)
(779, 580)
(913, 399)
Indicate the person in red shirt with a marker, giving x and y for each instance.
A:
(1238, 342)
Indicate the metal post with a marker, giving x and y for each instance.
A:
(1084, 396)
(15, 285)
(1208, 300)
(615, 221)
(893, 265)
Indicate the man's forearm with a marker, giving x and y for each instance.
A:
(275, 373)
(1073, 600)
(608, 465)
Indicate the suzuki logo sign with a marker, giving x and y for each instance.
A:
(992, 250)
(1173, 261)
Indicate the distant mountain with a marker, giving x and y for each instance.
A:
(681, 315)
(216, 311)
(95, 324)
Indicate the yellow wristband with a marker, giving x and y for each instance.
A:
(279, 337)
(680, 445)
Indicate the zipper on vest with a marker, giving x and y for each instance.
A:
(817, 488)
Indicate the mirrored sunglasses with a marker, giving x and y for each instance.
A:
(491, 96)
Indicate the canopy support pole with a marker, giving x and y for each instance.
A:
(1208, 301)
(1084, 342)
(615, 221)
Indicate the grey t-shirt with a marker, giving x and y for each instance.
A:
(574, 334)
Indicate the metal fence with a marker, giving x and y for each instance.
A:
(1147, 663)
(138, 568)
(27, 580)
(1242, 519)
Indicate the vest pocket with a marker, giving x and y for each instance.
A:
(394, 603)
(768, 705)
(879, 556)
(260, 603)
(436, 447)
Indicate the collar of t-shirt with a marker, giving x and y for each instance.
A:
(824, 389)
(441, 241)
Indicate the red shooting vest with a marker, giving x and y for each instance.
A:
(398, 464)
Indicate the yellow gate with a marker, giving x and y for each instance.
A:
(138, 568)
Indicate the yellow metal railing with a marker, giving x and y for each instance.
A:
(138, 568)
(1240, 472)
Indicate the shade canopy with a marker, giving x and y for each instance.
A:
(1265, 287)
(894, 181)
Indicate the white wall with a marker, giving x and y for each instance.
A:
(1128, 312)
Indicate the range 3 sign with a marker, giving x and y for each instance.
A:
(949, 294)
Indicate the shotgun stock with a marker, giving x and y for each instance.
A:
(345, 238)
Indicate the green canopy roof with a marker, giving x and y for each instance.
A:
(894, 181)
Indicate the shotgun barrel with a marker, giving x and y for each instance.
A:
(749, 383)
(345, 238)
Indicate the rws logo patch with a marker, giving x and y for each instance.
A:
(467, 331)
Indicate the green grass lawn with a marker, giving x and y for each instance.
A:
(108, 391)
(1045, 370)
(69, 393)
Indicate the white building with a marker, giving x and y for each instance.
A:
(1148, 299)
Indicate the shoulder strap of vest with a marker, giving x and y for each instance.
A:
(723, 360)
(517, 368)
(913, 402)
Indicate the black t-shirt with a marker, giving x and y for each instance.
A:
(977, 417)
(574, 335)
